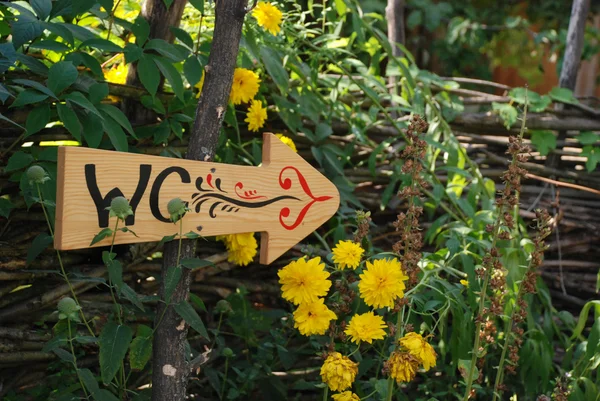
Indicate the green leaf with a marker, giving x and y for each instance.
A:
(35, 85)
(35, 65)
(61, 75)
(28, 96)
(141, 30)
(192, 69)
(341, 8)
(98, 92)
(42, 8)
(171, 280)
(80, 100)
(172, 76)
(115, 134)
(322, 132)
(37, 119)
(507, 113)
(89, 381)
(70, 120)
(183, 36)
(51, 45)
(587, 138)
(114, 341)
(64, 355)
(59, 30)
(168, 3)
(187, 312)
(274, 65)
(104, 233)
(196, 263)
(115, 273)
(593, 342)
(131, 295)
(5, 207)
(544, 141)
(104, 395)
(198, 5)
(118, 116)
(167, 238)
(563, 95)
(25, 29)
(8, 120)
(38, 245)
(464, 367)
(165, 49)
(102, 44)
(196, 300)
(140, 352)
(593, 156)
(92, 129)
(148, 74)
(19, 160)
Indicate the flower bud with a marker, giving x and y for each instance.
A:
(227, 352)
(177, 209)
(223, 307)
(68, 309)
(37, 175)
(119, 207)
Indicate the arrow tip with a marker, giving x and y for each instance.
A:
(316, 199)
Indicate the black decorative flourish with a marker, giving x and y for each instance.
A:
(231, 204)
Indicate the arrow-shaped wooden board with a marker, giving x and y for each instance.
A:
(285, 199)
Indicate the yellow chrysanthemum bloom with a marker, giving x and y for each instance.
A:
(382, 282)
(366, 327)
(465, 283)
(288, 141)
(304, 280)
(420, 349)
(200, 85)
(313, 317)
(345, 396)
(116, 75)
(241, 248)
(256, 116)
(244, 86)
(347, 254)
(402, 366)
(338, 371)
(268, 16)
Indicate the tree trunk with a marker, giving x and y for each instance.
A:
(571, 60)
(394, 13)
(170, 370)
(160, 20)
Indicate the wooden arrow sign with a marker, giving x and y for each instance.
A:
(286, 198)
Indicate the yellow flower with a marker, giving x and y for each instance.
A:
(304, 281)
(313, 317)
(116, 75)
(338, 371)
(268, 16)
(420, 349)
(241, 248)
(465, 283)
(402, 366)
(347, 254)
(256, 116)
(345, 396)
(382, 282)
(366, 327)
(200, 85)
(244, 86)
(287, 141)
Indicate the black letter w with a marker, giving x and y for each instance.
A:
(103, 202)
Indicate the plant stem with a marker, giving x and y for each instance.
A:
(61, 264)
(325, 393)
(224, 378)
(111, 19)
(496, 233)
(110, 284)
(75, 358)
